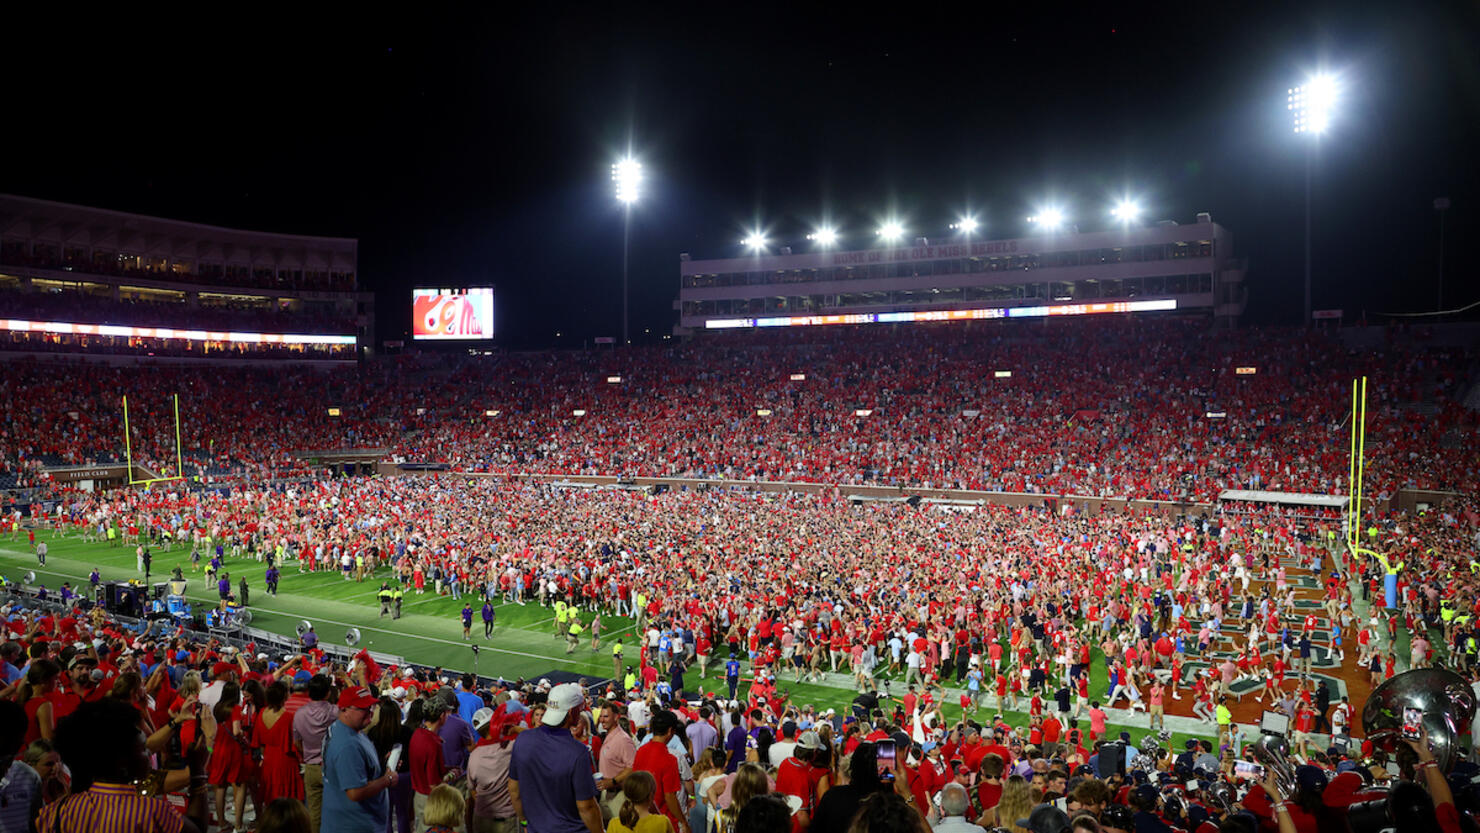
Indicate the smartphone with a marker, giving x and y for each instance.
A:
(886, 756)
(1248, 770)
(1412, 719)
(394, 759)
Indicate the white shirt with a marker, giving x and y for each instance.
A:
(780, 751)
(639, 713)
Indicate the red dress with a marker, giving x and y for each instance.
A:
(226, 757)
(280, 777)
(231, 762)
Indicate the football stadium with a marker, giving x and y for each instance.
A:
(892, 525)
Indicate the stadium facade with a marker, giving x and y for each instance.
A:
(93, 274)
(1164, 266)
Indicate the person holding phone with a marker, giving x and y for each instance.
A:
(840, 804)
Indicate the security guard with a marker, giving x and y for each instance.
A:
(561, 611)
(385, 598)
(573, 633)
(617, 659)
(396, 594)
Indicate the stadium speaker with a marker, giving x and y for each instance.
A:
(30, 577)
(353, 637)
(304, 626)
(244, 616)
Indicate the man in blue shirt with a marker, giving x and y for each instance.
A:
(550, 777)
(732, 675)
(355, 798)
(468, 703)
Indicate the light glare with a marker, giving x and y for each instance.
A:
(891, 231)
(824, 236)
(627, 174)
(755, 240)
(1126, 211)
(966, 225)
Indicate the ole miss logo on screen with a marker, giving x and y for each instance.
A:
(452, 316)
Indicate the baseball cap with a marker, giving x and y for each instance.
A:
(809, 740)
(562, 699)
(481, 718)
(357, 698)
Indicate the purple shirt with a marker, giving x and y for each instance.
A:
(310, 723)
(553, 771)
(457, 735)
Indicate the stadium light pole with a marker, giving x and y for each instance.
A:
(627, 174)
(1310, 106)
(1441, 205)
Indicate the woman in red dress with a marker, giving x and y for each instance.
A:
(227, 754)
(274, 732)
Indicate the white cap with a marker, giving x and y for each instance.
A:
(562, 699)
(398, 693)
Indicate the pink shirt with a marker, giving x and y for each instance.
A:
(617, 752)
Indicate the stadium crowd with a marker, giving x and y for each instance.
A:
(106, 725)
(1151, 409)
(79, 307)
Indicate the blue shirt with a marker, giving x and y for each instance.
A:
(732, 669)
(554, 772)
(350, 762)
(467, 704)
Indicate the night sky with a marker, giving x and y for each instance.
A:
(476, 147)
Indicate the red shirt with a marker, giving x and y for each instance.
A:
(426, 760)
(654, 758)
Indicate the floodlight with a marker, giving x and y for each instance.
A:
(891, 230)
(965, 225)
(1312, 103)
(1126, 211)
(627, 174)
(1049, 218)
(824, 236)
(755, 240)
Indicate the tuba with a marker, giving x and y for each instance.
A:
(1445, 699)
(1273, 753)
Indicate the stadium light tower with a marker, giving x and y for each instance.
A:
(627, 174)
(891, 231)
(1049, 219)
(825, 237)
(1311, 106)
(1127, 211)
(755, 241)
(965, 225)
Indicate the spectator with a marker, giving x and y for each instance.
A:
(488, 774)
(355, 781)
(284, 815)
(550, 772)
(310, 725)
(749, 782)
(444, 809)
(654, 757)
(428, 764)
(766, 813)
(837, 809)
(955, 803)
(639, 813)
(101, 744)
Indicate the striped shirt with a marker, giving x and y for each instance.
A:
(110, 808)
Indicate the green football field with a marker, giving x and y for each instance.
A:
(429, 632)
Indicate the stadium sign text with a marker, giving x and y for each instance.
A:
(926, 252)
